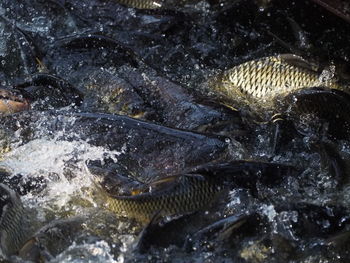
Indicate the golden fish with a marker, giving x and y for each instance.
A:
(265, 78)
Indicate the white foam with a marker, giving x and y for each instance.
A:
(50, 158)
(96, 252)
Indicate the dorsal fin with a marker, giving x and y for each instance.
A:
(169, 182)
(298, 61)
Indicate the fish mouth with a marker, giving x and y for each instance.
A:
(11, 101)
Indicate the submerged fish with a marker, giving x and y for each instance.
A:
(14, 230)
(265, 78)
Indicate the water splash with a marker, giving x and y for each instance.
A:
(53, 159)
(96, 252)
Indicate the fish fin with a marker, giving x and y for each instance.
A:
(114, 183)
(164, 184)
(5, 190)
(143, 238)
(283, 43)
(246, 173)
(34, 251)
(298, 61)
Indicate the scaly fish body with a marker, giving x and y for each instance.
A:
(265, 78)
(185, 193)
(142, 4)
(13, 222)
(189, 193)
(153, 4)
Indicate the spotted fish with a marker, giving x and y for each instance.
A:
(265, 78)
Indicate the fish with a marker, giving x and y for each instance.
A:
(189, 192)
(168, 196)
(11, 101)
(14, 224)
(49, 91)
(142, 148)
(263, 79)
(329, 105)
(142, 4)
(154, 4)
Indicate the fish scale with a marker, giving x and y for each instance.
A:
(191, 194)
(267, 77)
(142, 4)
(14, 229)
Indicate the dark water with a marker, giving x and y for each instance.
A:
(154, 65)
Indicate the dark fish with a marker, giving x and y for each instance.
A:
(97, 42)
(265, 78)
(52, 90)
(198, 226)
(338, 7)
(329, 105)
(51, 239)
(175, 107)
(14, 225)
(312, 220)
(142, 149)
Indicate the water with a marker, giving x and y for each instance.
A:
(156, 68)
(50, 158)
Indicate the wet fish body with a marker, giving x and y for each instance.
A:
(265, 78)
(147, 149)
(142, 4)
(13, 222)
(191, 193)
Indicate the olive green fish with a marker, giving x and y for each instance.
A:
(14, 230)
(265, 78)
(169, 196)
(189, 192)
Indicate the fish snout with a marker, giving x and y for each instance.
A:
(12, 101)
